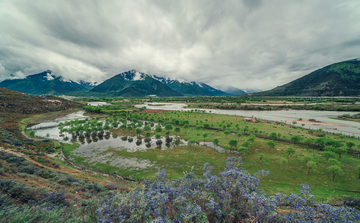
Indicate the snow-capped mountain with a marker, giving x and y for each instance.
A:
(87, 84)
(129, 83)
(190, 88)
(231, 90)
(43, 83)
(134, 83)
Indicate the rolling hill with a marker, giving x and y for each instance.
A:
(338, 79)
(22, 103)
(43, 83)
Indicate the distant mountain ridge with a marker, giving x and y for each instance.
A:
(231, 90)
(191, 88)
(338, 79)
(128, 84)
(43, 83)
(87, 84)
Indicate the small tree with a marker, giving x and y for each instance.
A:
(186, 126)
(306, 158)
(311, 165)
(335, 170)
(350, 144)
(251, 138)
(157, 136)
(216, 141)
(243, 150)
(197, 127)
(339, 151)
(246, 144)
(147, 135)
(167, 133)
(205, 135)
(328, 155)
(158, 128)
(283, 161)
(239, 135)
(329, 148)
(271, 144)
(320, 142)
(147, 128)
(226, 133)
(138, 131)
(290, 151)
(168, 127)
(296, 139)
(308, 141)
(261, 156)
(333, 162)
(233, 143)
(177, 130)
(273, 135)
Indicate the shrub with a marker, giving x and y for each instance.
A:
(183, 200)
(243, 150)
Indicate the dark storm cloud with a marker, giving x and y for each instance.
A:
(244, 43)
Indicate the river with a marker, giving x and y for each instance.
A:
(324, 118)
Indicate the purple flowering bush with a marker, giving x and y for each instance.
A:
(232, 196)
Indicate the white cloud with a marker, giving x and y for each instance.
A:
(246, 44)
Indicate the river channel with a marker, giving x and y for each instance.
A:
(323, 118)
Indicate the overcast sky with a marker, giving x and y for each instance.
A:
(245, 43)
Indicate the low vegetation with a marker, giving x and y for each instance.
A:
(261, 167)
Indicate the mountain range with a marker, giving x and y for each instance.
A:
(190, 88)
(43, 83)
(338, 79)
(128, 84)
(134, 84)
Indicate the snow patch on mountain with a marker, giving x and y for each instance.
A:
(87, 83)
(63, 79)
(49, 77)
(138, 76)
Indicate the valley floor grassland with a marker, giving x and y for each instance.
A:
(283, 178)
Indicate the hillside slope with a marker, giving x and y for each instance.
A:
(338, 79)
(43, 83)
(22, 103)
(134, 84)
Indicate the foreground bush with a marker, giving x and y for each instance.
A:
(233, 196)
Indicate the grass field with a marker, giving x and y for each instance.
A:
(284, 178)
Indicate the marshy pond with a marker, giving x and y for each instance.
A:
(99, 146)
